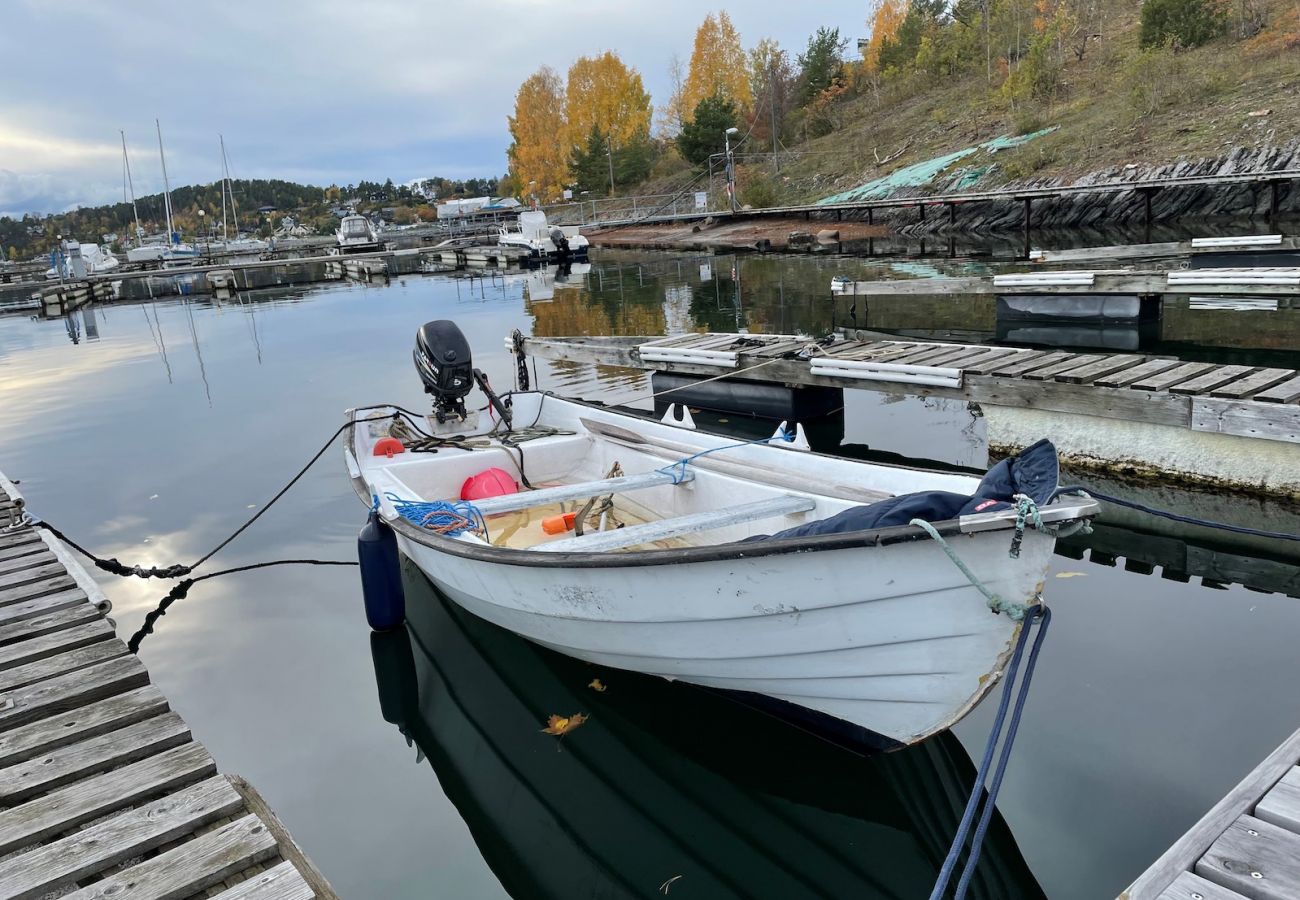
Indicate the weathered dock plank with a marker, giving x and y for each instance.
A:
(25, 560)
(1255, 859)
(64, 809)
(68, 661)
(1281, 805)
(1232, 846)
(1021, 365)
(56, 642)
(1286, 392)
(191, 867)
(1259, 381)
(33, 572)
(1105, 365)
(41, 587)
(1210, 380)
(79, 724)
(1167, 379)
(56, 768)
(1190, 886)
(280, 882)
(103, 790)
(73, 689)
(1062, 368)
(123, 836)
(22, 629)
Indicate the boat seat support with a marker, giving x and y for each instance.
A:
(632, 535)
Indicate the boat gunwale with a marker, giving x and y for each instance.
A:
(734, 550)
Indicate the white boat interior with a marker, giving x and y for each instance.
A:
(734, 491)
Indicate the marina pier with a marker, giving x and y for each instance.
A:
(1201, 422)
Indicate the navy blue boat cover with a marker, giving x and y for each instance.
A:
(1035, 472)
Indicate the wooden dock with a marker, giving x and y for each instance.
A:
(1243, 282)
(1217, 424)
(103, 790)
(1246, 848)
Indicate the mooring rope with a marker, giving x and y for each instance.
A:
(182, 588)
(1044, 615)
(1177, 517)
(677, 470)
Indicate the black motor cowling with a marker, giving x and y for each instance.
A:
(442, 357)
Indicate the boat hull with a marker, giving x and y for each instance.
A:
(892, 639)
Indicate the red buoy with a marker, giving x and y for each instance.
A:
(388, 446)
(492, 482)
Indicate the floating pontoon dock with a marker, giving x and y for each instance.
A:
(1246, 848)
(1216, 424)
(105, 791)
(1243, 282)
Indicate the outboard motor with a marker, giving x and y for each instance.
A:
(561, 244)
(442, 357)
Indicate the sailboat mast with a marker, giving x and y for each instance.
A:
(234, 205)
(126, 164)
(167, 187)
(225, 181)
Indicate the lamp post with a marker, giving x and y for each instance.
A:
(731, 168)
(206, 248)
(609, 151)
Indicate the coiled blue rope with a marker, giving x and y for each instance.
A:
(677, 470)
(451, 519)
(999, 724)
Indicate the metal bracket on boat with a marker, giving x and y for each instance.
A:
(800, 441)
(682, 420)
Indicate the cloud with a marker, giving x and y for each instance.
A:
(335, 91)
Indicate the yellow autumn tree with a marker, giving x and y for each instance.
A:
(608, 96)
(536, 154)
(884, 25)
(718, 66)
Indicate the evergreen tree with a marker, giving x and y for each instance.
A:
(820, 62)
(703, 135)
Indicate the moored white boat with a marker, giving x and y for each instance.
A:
(355, 234)
(542, 240)
(873, 627)
(76, 260)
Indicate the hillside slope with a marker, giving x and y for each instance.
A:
(1120, 106)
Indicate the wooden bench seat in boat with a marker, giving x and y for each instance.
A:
(578, 491)
(632, 535)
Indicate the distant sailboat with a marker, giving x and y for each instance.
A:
(237, 244)
(141, 252)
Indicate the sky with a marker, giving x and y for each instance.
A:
(327, 92)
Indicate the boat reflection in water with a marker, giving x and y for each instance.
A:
(664, 782)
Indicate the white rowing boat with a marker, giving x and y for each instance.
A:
(876, 628)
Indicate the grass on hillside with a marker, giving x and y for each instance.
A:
(1119, 106)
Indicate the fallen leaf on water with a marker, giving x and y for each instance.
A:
(668, 884)
(1071, 574)
(597, 685)
(562, 725)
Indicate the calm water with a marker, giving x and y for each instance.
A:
(412, 766)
